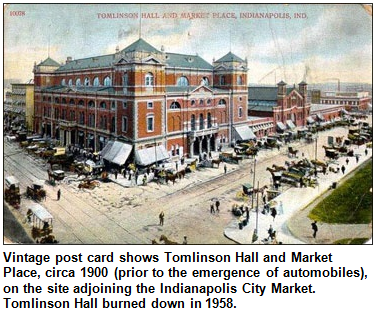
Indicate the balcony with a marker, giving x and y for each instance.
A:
(203, 132)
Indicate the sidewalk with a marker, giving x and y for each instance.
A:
(293, 200)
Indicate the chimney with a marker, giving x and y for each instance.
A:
(69, 59)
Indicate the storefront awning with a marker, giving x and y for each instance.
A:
(116, 152)
(244, 133)
(151, 155)
(281, 126)
(290, 124)
(310, 120)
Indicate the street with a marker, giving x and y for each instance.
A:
(112, 214)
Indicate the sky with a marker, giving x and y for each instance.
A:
(323, 43)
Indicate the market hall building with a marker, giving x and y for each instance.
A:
(144, 98)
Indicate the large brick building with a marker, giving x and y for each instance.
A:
(143, 97)
(287, 107)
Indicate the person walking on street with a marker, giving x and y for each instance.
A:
(343, 169)
(217, 203)
(224, 168)
(315, 228)
(161, 217)
(357, 158)
(184, 240)
(212, 208)
(273, 213)
(116, 174)
(59, 194)
(347, 160)
(366, 151)
(270, 232)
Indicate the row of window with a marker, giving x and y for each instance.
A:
(87, 82)
(339, 102)
(91, 104)
(176, 105)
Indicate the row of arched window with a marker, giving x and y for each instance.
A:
(201, 121)
(176, 105)
(102, 105)
(87, 82)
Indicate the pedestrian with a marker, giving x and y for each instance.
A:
(264, 195)
(315, 228)
(366, 151)
(315, 172)
(116, 174)
(184, 240)
(125, 172)
(273, 212)
(247, 213)
(302, 182)
(217, 203)
(224, 168)
(347, 161)
(343, 169)
(357, 158)
(270, 232)
(145, 180)
(212, 207)
(161, 217)
(281, 211)
(59, 194)
(176, 166)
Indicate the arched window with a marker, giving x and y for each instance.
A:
(149, 79)
(193, 122)
(57, 100)
(96, 81)
(72, 102)
(222, 102)
(63, 83)
(91, 104)
(81, 118)
(193, 102)
(64, 100)
(239, 80)
(175, 105)
(222, 80)
(209, 101)
(70, 82)
(72, 116)
(205, 81)
(209, 120)
(102, 105)
(201, 121)
(182, 81)
(78, 82)
(107, 81)
(87, 81)
(81, 103)
(240, 112)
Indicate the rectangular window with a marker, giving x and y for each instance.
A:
(124, 124)
(124, 105)
(150, 105)
(112, 105)
(150, 123)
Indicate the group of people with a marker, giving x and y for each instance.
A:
(212, 206)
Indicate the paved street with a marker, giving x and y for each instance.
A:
(113, 214)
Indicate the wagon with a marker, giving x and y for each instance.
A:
(41, 221)
(12, 191)
(36, 191)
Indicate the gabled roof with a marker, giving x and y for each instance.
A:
(49, 62)
(140, 45)
(263, 93)
(230, 57)
(93, 62)
(186, 61)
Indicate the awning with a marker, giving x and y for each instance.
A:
(151, 155)
(281, 126)
(290, 124)
(40, 212)
(244, 133)
(116, 152)
(320, 117)
(310, 120)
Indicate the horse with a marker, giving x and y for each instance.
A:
(167, 241)
(181, 174)
(218, 161)
(279, 168)
(171, 177)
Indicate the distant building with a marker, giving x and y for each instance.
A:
(143, 97)
(352, 101)
(286, 107)
(19, 104)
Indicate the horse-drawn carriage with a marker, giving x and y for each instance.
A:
(36, 191)
(56, 175)
(292, 153)
(332, 153)
(41, 221)
(230, 158)
(12, 191)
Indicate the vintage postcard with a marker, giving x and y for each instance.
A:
(187, 124)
